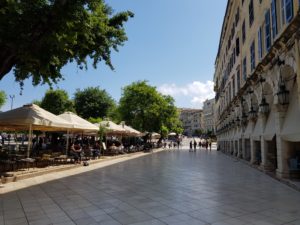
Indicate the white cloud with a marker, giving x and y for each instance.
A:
(196, 92)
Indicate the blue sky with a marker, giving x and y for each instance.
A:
(172, 44)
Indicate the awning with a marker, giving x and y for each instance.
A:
(32, 115)
(248, 130)
(258, 130)
(269, 131)
(112, 128)
(131, 131)
(78, 122)
(291, 125)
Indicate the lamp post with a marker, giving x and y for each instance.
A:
(11, 100)
(264, 106)
(283, 94)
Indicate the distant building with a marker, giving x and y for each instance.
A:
(208, 116)
(191, 120)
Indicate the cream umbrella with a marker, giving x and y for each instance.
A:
(111, 127)
(155, 135)
(131, 131)
(32, 117)
(78, 123)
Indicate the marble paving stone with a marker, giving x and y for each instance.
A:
(171, 187)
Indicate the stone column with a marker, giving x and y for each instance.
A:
(264, 145)
(243, 148)
(253, 151)
(282, 158)
(282, 146)
(297, 61)
(239, 150)
(264, 153)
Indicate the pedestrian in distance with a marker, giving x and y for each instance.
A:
(206, 144)
(209, 143)
(191, 146)
(195, 145)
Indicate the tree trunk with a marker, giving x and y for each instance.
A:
(7, 62)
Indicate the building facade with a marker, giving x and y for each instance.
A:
(191, 120)
(257, 84)
(208, 116)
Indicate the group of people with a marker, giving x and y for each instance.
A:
(172, 144)
(78, 151)
(206, 144)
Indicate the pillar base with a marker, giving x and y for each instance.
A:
(284, 174)
(267, 168)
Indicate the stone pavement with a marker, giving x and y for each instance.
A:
(171, 187)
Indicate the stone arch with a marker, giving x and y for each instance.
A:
(290, 61)
(268, 92)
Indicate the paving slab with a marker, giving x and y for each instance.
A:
(170, 187)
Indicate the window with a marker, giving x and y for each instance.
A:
(237, 16)
(267, 30)
(252, 56)
(233, 85)
(282, 12)
(288, 10)
(274, 18)
(251, 13)
(238, 78)
(230, 93)
(245, 68)
(234, 59)
(244, 32)
(259, 43)
(237, 46)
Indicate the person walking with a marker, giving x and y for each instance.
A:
(206, 144)
(195, 145)
(209, 143)
(191, 146)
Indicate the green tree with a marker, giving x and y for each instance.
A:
(164, 131)
(36, 102)
(37, 38)
(94, 120)
(198, 132)
(3, 98)
(93, 102)
(144, 108)
(57, 102)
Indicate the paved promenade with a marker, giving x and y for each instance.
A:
(171, 187)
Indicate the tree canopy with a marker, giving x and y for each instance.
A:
(144, 108)
(37, 38)
(93, 102)
(57, 102)
(3, 98)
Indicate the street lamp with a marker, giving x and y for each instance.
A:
(283, 94)
(264, 106)
(238, 121)
(244, 118)
(252, 113)
(11, 100)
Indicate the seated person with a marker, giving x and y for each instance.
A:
(96, 150)
(75, 151)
